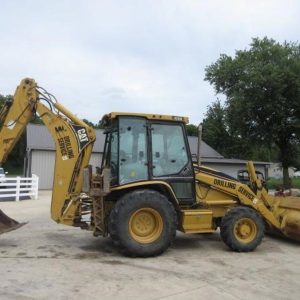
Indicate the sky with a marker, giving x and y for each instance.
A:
(135, 55)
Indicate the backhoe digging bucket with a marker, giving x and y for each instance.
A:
(8, 224)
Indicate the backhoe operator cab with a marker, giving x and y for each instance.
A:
(149, 149)
(155, 189)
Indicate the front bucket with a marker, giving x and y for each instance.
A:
(290, 226)
(290, 217)
(8, 224)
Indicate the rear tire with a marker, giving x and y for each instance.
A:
(242, 229)
(143, 223)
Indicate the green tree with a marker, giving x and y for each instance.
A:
(91, 124)
(218, 134)
(215, 133)
(262, 87)
(192, 130)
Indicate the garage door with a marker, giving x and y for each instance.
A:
(43, 166)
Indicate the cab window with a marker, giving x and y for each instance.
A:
(169, 152)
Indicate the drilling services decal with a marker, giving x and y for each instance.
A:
(226, 184)
(64, 143)
(245, 193)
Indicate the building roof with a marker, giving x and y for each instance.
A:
(206, 150)
(39, 138)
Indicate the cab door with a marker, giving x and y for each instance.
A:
(132, 156)
(171, 159)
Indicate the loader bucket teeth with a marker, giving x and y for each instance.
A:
(7, 223)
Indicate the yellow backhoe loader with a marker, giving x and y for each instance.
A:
(147, 186)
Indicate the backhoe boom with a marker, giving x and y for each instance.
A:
(73, 142)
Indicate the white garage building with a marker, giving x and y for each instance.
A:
(40, 156)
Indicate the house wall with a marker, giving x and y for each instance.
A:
(276, 171)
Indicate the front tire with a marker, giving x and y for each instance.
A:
(143, 223)
(242, 229)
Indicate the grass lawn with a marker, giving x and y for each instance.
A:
(272, 183)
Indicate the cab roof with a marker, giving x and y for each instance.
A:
(157, 117)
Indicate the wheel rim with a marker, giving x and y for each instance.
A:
(245, 230)
(145, 225)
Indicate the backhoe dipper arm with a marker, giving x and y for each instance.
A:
(15, 115)
(73, 139)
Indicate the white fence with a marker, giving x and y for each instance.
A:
(19, 187)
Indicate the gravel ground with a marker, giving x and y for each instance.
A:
(44, 260)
